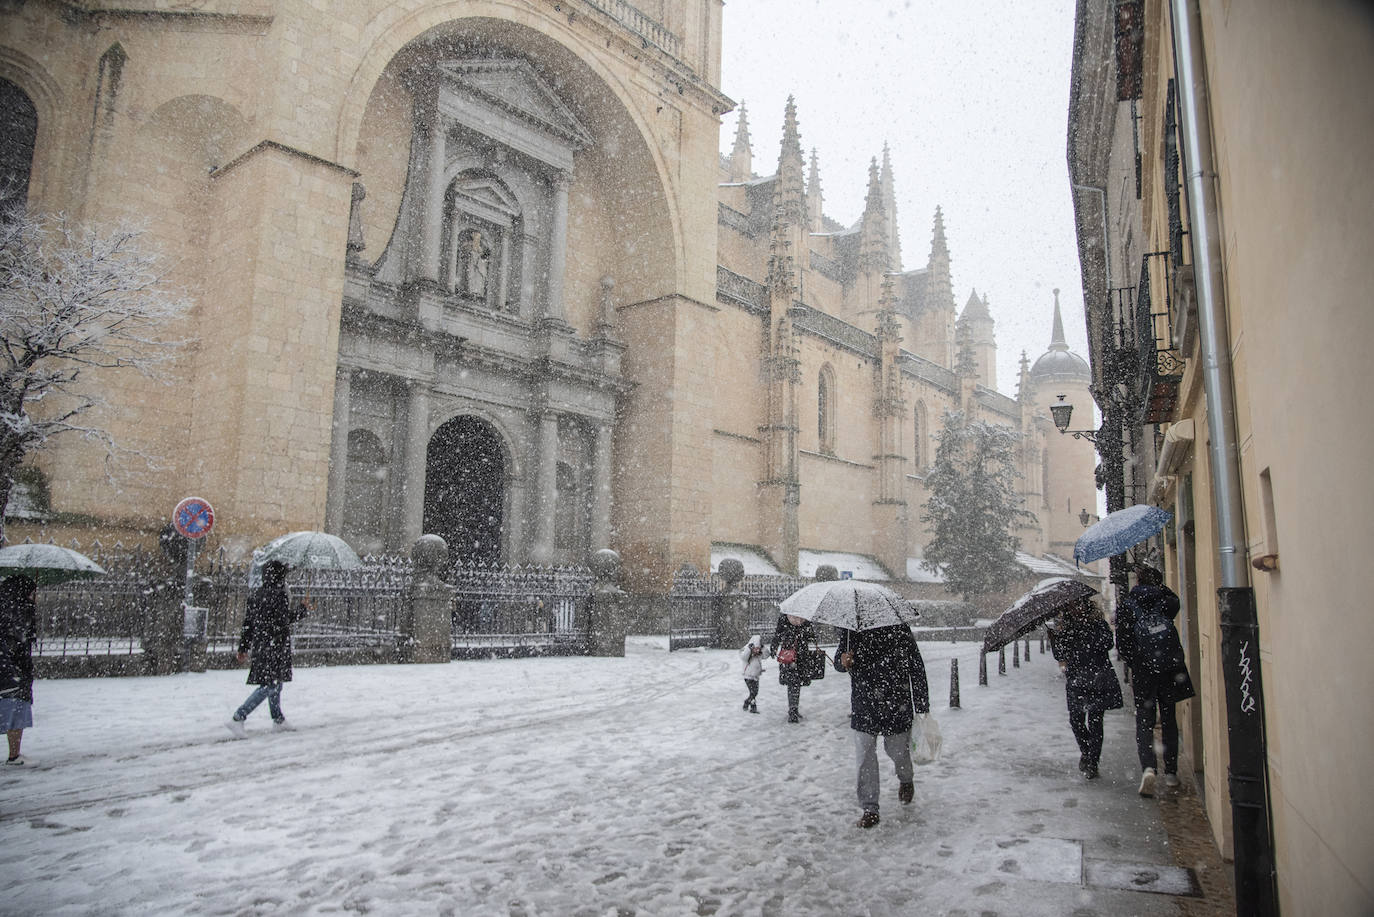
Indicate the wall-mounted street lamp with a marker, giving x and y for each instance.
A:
(1061, 414)
(1086, 517)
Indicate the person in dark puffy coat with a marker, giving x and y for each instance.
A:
(887, 687)
(266, 637)
(1159, 675)
(18, 631)
(1080, 639)
(791, 637)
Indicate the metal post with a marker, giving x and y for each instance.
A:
(1001, 660)
(983, 670)
(1016, 654)
(954, 683)
(1027, 653)
(1042, 643)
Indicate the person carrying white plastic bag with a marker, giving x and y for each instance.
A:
(887, 691)
(925, 739)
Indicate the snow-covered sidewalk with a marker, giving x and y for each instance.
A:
(564, 787)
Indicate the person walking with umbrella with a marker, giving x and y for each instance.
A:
(266, 636)
(1080, 639)
(791, 638)
(18, 631)
(1148, 642)
(887, 687)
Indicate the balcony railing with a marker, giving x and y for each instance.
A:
(1160, 365)
(650, 31)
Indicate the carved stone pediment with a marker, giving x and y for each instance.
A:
(507, 101)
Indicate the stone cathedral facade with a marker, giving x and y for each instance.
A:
(477, 268)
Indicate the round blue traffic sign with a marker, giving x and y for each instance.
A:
(194, 517)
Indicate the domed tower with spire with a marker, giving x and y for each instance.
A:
(1066, 462)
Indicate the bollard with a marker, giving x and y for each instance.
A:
(954, 682)
(1001, 660)
(1042, 643)
(1016, 654)
(1027, 653)
(983, 670)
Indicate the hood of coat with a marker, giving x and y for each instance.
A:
(1158, 599)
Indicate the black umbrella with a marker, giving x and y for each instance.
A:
(1033, 609)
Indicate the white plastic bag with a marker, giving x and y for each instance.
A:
(925, 739)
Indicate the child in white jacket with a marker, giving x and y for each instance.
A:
(752, 654)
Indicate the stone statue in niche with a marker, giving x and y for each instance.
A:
(476, 264)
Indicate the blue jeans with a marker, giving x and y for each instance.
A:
(271, 693)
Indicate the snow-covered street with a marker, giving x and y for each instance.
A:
(572, 786)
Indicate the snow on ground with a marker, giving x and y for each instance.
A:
(573, 786)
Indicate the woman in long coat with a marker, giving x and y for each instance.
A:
(887, 687)
(18, 630)
(266, 636)
(1080, 641)
(791, 637)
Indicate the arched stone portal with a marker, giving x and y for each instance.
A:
(465, 489)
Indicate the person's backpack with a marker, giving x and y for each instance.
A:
(1157, 648)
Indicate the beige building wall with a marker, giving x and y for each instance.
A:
(235, 135)
(1291, 120)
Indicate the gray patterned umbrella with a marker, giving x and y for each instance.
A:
(1034, 608)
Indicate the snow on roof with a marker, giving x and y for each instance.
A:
(754, 560)
(1043, 566)
(858, 566)
(917, 573)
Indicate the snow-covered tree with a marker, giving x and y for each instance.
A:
(72, 299)
(973, 507)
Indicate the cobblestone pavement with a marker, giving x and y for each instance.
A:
(1190, 840)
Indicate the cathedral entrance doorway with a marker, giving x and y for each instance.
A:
(465, 484)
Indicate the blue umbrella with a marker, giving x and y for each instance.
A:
(1119, 531)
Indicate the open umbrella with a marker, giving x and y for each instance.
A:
(47, 564)
(1034, 608)
(851, 604)
(1119, 531)
(315, 550)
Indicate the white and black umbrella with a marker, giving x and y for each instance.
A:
(47, 564)
(851, 604)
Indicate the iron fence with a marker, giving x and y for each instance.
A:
(503, 609)
(109, 616)
(135, 607)
(693, 610)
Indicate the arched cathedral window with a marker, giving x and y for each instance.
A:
(825, 410)
(918, 426)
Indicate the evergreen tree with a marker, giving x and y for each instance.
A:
(973, 507)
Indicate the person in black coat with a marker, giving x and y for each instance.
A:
(887, 687)
(791, 637)
(1080, 639)
(266, 636)
(1159, 673)
(18, 631)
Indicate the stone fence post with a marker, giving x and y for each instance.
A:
(731, 608)
(609, 620)
(429, 603)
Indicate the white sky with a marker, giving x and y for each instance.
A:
(972, 98)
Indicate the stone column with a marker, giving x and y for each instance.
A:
(503, 270)
(558, 247)
(432, 207)
(429, 601)
(416, 452)
(338, 451)
(601, 484)
(545, 488)
(610, 607)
